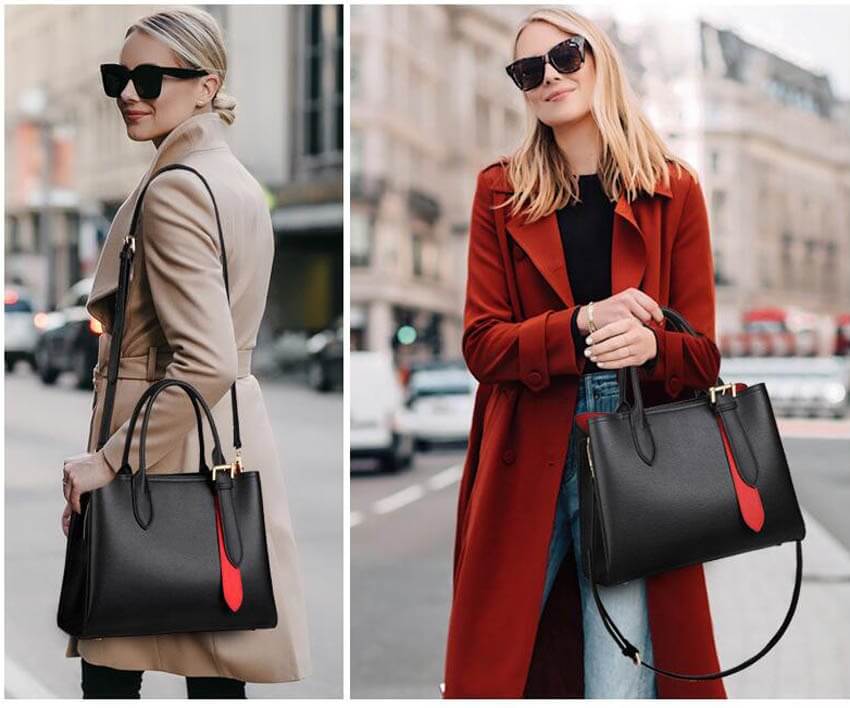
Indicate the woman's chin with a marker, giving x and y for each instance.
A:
(134, 132)
(560, 118)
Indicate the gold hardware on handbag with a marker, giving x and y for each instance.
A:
(714, 390)
(224, 467)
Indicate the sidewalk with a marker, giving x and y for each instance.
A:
(749, 595)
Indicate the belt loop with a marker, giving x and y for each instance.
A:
(151, 372)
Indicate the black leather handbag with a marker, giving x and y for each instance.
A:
(165, 553)
(682, 483)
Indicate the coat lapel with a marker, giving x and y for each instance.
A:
(202, 131)
(541, 241)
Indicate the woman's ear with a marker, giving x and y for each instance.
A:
(211, 84)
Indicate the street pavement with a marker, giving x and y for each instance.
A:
(402, 536)
(44, 425)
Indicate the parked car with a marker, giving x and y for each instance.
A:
(380, 426)
(797, 386)
(324, 368)
(441, 397)
(19, 329)
(68, 340)
(842, 334)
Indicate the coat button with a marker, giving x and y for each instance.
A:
(534, 378)
(508, 457)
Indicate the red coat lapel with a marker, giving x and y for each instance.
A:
(541, 241)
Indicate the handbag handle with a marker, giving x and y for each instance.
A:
(628, 649)
(142, 507)
(680, 324)
(127, 253)
(641, 432)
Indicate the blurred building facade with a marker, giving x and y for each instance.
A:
(428, 109)
(431, 105)
(69, 163)
(771, 143)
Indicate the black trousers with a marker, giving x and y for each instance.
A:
(106, 682)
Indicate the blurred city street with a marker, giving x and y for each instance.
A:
(45, 425)
(402, 536)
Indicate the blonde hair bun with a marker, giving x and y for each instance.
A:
(225, 105)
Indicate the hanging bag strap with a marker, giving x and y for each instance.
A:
(630, 650)
(127, 253)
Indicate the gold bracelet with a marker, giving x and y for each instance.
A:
(591, 325)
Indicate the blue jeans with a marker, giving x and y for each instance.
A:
(607, 673)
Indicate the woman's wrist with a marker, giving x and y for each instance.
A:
(581, 320)
(106, 461)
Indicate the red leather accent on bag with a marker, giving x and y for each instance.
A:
(231, 576)
(749, 499)
(582, 418)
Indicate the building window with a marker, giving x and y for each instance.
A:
(361, 239)
(830, 267)
(355, 72)
(787, 260)
(417, 248)
(319, 105)
(482, 116)
(718, 204)
(356, 161)
(12, 235)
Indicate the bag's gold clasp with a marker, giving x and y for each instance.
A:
(714, 390)
(223, 467)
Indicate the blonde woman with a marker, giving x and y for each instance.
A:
(576, 241)
(168, 86)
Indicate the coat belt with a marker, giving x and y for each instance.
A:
(151, 366)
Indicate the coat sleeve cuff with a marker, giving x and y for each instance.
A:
(113, 450)
(546, 347)
(668, 362)
(578, 338)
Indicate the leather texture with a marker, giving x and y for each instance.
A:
(657, 488)
(686, 495)
(147, 557)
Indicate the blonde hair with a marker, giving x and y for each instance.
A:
(196, 38)
(633, 155)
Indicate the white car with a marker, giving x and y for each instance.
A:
(19, 329)
(441, 398)
(379, 422)
(797, 386)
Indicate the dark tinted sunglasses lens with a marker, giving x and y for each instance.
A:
(148, 82)
(114, 81)
(529, 72)
(565, 57)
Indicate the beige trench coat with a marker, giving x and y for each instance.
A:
(178, 325)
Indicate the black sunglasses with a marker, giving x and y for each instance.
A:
(147, 78)
(567, 57)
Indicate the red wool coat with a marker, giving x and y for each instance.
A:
(518, 344)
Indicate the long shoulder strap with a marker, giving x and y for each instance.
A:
(631, 651)
(127, 253)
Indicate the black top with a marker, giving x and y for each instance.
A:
(586, 228)
(586, 231)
